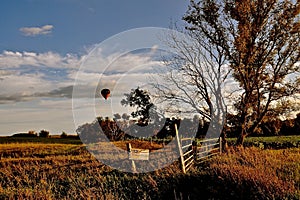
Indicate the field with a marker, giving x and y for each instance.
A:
(39, 140)
(272, 142)
(56, 169)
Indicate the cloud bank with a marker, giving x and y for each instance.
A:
(35, 84)
(26, 76)
(10, 59)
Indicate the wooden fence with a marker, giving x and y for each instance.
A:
(196, 151)
(207, 148)
(191, 150)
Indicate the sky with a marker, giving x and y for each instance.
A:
(45, 50)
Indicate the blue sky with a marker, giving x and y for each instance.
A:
(77, 23)
(43, 44)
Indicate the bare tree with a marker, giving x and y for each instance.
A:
(193, 79)
(261, 40)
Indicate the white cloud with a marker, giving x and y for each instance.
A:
(16, 87)
(22, 84)
(98, 60)
(20, 81)
(34, 31)
(29, 86)
(10, 59)
(4, 73)
(132, 62)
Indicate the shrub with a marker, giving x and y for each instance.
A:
(64, 135)
(44, 133)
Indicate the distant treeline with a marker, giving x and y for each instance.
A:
(102, 129)
(120, 129)
(270, 127)
(44, 134)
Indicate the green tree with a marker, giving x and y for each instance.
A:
(32, 132)
(64, 135)
(91, 132)
(147, 118)
(117, 116)
(44, 133)
(140, 100)
(261, 41)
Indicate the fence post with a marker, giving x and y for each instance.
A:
(220, 144)
(180, 149)
(194, 146)
(129, 149)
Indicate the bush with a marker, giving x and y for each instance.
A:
(44, 133)
(64, 135)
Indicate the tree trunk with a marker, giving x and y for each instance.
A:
(224, 141)
(240, 140)
(224, 145)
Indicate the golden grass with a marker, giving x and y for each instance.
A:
(271, 174)
(63, 171)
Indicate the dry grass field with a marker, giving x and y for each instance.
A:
(68, 171)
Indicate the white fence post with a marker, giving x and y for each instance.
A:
(180, 149)
(129, 149)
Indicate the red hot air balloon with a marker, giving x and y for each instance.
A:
(105, 93)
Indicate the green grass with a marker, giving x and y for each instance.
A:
(292, 138)
(273, 142)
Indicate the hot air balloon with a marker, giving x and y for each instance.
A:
(105, 93)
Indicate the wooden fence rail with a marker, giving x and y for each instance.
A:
(190, 151)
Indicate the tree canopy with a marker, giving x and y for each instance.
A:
(140, 100)
(261, 41)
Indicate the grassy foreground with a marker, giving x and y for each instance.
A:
(68, 171)
(259, 174)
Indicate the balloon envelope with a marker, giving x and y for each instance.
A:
(105, 93)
